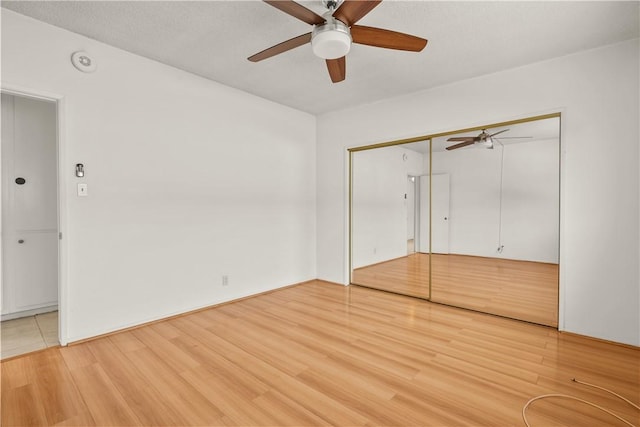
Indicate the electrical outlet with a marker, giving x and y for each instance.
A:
(225, 280)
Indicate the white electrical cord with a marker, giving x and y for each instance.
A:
(566, 396)
(500, 245)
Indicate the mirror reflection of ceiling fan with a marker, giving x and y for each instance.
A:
(334, 32)
(484, 139)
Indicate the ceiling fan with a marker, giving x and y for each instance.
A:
(484, 138)
(334, 32)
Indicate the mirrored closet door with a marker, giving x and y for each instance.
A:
(390, 221)
(469, 223)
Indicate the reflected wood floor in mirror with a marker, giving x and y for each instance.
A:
(521, 290)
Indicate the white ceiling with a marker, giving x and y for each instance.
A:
(466, 39)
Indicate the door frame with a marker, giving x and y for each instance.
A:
(59, 100)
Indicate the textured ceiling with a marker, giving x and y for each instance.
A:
(466, 39)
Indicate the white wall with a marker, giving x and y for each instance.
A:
(527, 227)
(597, 92)
(531, 201)
(188, 180)
(379, 206)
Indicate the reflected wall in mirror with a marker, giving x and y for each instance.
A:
(502, 227)
(490, 218)
(390, 223)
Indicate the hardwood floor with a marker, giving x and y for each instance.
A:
(517, 289)
(406, 275)
(322, 354)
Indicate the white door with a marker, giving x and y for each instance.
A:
(29, 205)
(423, 214)
(410, 196)
(439, 214)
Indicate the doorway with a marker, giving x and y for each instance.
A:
(30, 232)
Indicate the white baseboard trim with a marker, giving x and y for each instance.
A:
(26, 313)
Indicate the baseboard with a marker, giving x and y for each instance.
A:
(326, 282)
(27, 313)
(602, 340)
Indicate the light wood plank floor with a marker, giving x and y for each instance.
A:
(517, 289)
(322, 354)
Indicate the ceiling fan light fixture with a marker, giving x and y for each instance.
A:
(331, 40)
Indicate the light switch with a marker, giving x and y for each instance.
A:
(82, 190)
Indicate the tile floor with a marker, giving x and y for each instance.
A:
(27, 334)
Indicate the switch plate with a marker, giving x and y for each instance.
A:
(82, 190)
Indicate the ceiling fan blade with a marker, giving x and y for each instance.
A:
(462, 144)
(297, 11)
(281, 47)
(463, 138)
(498, 133)
(337, 69)
(351, 11)
(386, 38)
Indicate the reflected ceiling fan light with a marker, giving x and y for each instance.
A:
(487, 143)
(331, 40)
